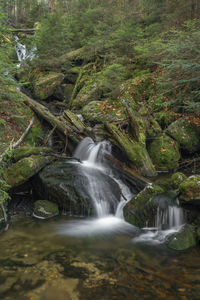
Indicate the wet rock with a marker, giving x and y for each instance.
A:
(142, 208)
(185, 134)
(44, 86)
(177, 178)
(190, 190)
(44, 209)
(70, 186)
(182, 240)
(164, 153)
(24, 169)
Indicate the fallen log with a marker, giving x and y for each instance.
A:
(67, 123)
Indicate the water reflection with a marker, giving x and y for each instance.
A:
(38, 261)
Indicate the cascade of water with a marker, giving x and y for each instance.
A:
(170, 217)
(92, 157)
(22, 52)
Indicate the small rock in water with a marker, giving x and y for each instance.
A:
(44, 209)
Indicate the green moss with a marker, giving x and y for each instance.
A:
(141, 210)
(164, 153)
(185, 134)
(136, 152)
(177, 178)
(24, 169)
(44, 209)
(190, 189)
(16, 115)
(26, 151)
(103, 111)
(182, 240)
(44, 85)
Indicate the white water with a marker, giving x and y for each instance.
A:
(22, 52)
(92, 156)
(167, 221)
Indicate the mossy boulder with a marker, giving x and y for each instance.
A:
(103, 111)
(45, 85)
(135, 151)
(24, 169)
(182, 240)
(87, 94)
(185, 134)
(190, 190)
(164, 152)
(15, 117)
(68, 184)
(142, 208)
(177, 178)
(27, 151)
(44, 209)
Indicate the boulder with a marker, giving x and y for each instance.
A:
(141, 210)
(44, 209)
(182, 240)
(45, 85)
(164, 152)
(185, 134)
(177, 178)
(24, 169)
(73, 187)
(103, 111)
(190, 190)
(27, 151)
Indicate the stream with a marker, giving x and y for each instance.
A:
(99, 257)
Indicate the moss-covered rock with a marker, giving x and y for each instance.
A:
(164, 152)
(177, 178)
(45, 85)
(103, 111)
(142, 208)
(24, 169)
(26, 151)
(182, 240)
(44, 209)
(135, 151)
(185, 134)
(190, 190)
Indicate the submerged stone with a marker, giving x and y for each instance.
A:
(44, 209)
(164, 153)
(182, 240)
(185, 134)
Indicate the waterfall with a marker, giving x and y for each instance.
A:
(92, 156)
(170, 217)
(22, 52)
